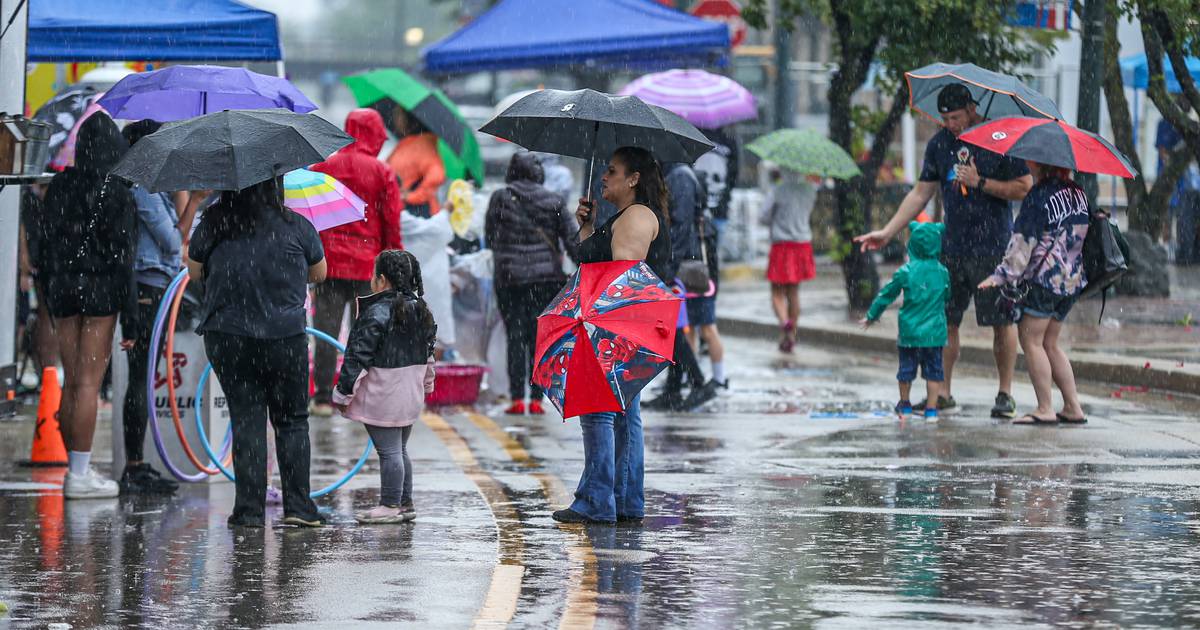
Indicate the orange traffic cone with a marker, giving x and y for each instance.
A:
(48, 448)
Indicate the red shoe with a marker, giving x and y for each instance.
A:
(535, 408)
(516, 409)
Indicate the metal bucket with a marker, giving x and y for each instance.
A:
(37, 147)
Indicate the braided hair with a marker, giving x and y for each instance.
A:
(410, 312)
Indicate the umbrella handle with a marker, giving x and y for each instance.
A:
(592, 165)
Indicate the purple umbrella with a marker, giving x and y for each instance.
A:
(704, 99)
(182, 92)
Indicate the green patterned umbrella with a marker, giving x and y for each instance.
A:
(805, 151)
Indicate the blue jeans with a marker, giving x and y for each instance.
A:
(613, 472)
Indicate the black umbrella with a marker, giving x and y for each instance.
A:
(63, 113)
(996, 95)
(229, 150)
(587, 123)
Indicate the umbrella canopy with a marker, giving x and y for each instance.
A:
(65, 111)
(587, 123)
(458, 146)
(702, 98)
(1050, 142)
(181, 92)
(996, 95)
(229, 150)
(1135, 72)
(321, 199)
(805, 151)
(604, 337)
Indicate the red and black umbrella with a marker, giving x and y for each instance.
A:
(1051, 142)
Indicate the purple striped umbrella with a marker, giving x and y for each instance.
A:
(704, 99)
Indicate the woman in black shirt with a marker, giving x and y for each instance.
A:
(610, 488)
(256, 258)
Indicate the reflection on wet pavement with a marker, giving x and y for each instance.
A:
(793, 501)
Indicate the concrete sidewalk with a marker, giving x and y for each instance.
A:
(1140, 343)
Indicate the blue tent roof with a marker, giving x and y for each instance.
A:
(541, 33)
(1135, 72)
(162, 30)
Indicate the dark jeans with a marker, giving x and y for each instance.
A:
(520, 305)
(685, 363)
(135, 412)
(265, 379)
(330, 298)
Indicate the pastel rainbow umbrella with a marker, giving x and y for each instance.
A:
(321, 199)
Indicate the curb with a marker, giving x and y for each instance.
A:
(1089, 367)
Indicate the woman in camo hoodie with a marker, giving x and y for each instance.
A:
(1045, 254)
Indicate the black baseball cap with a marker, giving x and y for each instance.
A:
(953, 97)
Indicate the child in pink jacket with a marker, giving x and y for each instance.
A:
(386, 372)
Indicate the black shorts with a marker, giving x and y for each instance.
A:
(69, 295)
(966, 272)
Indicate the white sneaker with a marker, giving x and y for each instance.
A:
(89, 486)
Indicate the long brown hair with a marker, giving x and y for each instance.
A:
(651, 189)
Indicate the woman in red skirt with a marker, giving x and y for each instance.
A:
(789, 205)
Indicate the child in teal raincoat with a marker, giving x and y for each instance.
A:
(926, 286)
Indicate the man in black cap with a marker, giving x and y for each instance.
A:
(977, 186)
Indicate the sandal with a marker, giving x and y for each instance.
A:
(1032, 419)
(1067, 420)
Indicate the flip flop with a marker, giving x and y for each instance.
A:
(1032, 419)
(1065, 420)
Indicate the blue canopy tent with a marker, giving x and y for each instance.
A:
(518, 34)
(1135, 72)
(163, 30)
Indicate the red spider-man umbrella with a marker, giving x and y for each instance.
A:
(606, 335)
(1050, 142)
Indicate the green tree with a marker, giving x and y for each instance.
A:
(901, 35)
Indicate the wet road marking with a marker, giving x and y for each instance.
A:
(580, 610)
(500, 604)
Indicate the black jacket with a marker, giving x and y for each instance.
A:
(528, 228)
(88, 226)
(375, 340)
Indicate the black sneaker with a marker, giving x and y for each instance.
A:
(668, 401)
(571, 516)
(143, 479)
(1005, 406)
(720, 384)
(944, 403)
(700, 395)
(626, 518)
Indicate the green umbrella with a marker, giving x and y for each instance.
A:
(805, 151)
(456, 139)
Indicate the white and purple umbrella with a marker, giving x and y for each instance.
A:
(321, 199)
(704, 99)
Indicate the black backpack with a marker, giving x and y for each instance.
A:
(1105, 257)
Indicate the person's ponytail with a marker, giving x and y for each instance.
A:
(410, 313)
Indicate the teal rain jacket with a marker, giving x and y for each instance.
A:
(926, 286)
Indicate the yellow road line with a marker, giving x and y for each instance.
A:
(500, 604)
(581, 607)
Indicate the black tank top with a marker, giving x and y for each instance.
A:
(598, 246)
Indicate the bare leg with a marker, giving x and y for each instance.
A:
(68, 331)
(793, 302)
(1060, 370)
(905, 390)
(779, 303)
(95, 346)
(931, 393)
(1004, 348)
(1032, 331)
(45, 341)
(716, 349)
(949, 357)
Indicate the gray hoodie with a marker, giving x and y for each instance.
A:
(788, 207)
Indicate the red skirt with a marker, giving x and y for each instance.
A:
(790, 263)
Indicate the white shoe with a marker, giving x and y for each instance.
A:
(89, 486)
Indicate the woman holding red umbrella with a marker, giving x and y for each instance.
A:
(1044, 262)
(611, 487)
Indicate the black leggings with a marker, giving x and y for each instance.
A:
(265, 379)
(685, 363)
(135, 413)
(520, 306)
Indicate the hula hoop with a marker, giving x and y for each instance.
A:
(204, 443)
(170, 351)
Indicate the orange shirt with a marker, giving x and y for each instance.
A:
(415, 161)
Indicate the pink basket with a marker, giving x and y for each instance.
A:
(455, 384)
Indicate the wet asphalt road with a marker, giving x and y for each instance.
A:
(796, 500)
